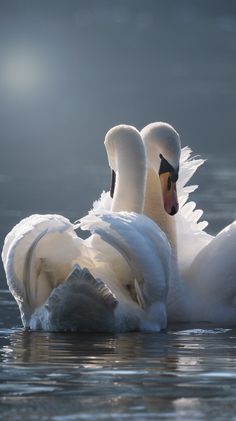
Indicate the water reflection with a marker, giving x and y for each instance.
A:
(131, 373)
(176, 374)
(52, 348)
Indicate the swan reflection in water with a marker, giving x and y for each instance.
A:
(121, 372)
(40, 347)
(173, 350)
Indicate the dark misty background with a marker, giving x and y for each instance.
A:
(70, 70)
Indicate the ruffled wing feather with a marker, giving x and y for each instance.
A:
(38, 255)
(191, 237)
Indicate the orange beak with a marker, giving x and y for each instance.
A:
(169, 193)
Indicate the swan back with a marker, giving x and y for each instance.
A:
(146, 250)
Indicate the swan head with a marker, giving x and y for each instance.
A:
(127, 160)
(163, 147)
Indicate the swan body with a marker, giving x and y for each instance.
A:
(150, 260)
(62, 282)
(211, 280)
(90, 299)
(204, 287)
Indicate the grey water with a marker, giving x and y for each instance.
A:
(187, 372)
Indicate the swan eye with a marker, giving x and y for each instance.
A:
(169, 183)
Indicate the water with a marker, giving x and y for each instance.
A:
(187, 372)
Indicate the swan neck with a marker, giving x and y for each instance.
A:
(130, 180)
(154, 209)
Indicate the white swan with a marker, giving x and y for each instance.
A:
(207, 264)
(168, 164)
(43, 250)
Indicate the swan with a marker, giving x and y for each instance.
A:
(205, 288)
(61, 282)
(169, 165)
(163, 150)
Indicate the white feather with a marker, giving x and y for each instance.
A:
(191, 237)
(144, 247)
(40, 252)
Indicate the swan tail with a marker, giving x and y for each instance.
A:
(81, 303)
(146, 250)
(37, 256)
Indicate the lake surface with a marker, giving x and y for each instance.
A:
(185, 373)
(188, 372)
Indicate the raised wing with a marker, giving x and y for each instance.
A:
(191, 237)
(38, 255)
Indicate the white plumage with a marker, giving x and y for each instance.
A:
(150, 259)
(205, 289)
(124, 283)
(191, 237)
(118, 279)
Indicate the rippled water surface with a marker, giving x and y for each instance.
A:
(185, 373)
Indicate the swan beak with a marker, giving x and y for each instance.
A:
(169, 193)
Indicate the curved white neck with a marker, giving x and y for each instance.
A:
(154, 209)
(130, 178)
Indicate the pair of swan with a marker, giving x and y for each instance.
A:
(127, 251)
(126, 261)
